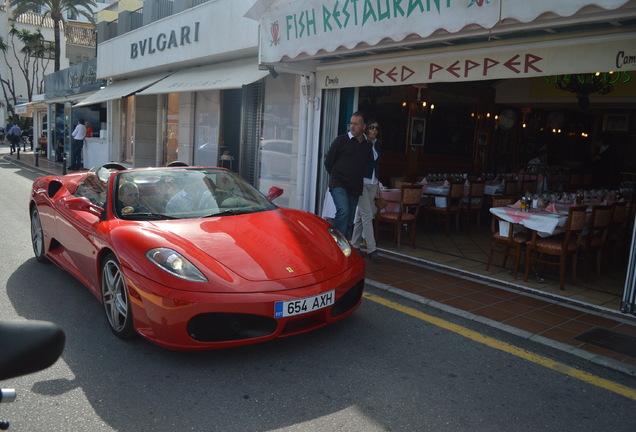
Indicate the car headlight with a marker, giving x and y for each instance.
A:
(175, 264)
(340, 240)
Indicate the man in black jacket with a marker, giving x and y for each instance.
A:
(346, 162)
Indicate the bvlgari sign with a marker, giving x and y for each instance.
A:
(185, 35)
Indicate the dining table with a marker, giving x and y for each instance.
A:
(438, 190)
(542, 221)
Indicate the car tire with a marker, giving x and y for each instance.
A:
(37, 236)
(115, 299)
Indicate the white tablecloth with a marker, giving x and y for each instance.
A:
(545, 224)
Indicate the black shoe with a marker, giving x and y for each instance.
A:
(375, 256)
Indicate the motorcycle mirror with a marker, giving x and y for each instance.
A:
(28, 346)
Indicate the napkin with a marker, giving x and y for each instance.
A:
(517, 204)
(540, 203)
(467, 183)
(552, 208)
(424, 181)
(446, 183)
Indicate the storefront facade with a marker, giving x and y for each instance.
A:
(489, 82)
(188, 88)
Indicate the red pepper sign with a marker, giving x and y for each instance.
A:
(274, 31)
(482, 68)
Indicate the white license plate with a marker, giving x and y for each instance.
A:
(304, 305)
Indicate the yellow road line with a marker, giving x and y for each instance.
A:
(511, 349)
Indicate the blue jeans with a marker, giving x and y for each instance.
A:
(345, 210)
(76, 154)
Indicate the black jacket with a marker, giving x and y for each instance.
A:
(346, 163)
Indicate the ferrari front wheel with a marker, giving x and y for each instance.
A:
(115, 299)
(37, 235)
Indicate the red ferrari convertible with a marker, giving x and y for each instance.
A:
(194, 258)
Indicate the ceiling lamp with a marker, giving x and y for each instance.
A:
(583, 85)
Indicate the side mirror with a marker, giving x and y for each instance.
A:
(83, 204)
(274, 192)
(28, 347)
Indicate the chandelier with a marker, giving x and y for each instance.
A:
(583, 85)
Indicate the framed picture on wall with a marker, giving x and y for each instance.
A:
(615, 122)
(418, 129)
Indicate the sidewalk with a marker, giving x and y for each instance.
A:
(602, 336)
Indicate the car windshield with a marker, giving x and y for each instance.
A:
(183, 193)
(94, 186)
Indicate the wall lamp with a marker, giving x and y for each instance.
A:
(272, 71)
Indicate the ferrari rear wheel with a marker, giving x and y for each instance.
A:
(115, 299)
(37, 236)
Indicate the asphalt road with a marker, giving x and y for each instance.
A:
(383, 369)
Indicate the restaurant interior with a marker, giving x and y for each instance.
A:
(562, 140)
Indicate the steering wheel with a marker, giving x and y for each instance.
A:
(114, 165)
(177, 164)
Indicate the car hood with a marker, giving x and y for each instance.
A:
(261, 246)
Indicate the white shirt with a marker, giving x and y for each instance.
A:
(79, 133)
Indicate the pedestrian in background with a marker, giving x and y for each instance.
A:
(15, 133)
(7, 128)
(89, 130)
(363, 226)
(346, 163)
(78, 134)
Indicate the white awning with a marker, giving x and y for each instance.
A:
(526, 11)
(289, 29)
(319, 28)
(219, 76)
(121, 89)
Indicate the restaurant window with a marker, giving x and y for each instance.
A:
(390, 107)
(451, 117)
(278, 147)
(206, 128)
(437, 118)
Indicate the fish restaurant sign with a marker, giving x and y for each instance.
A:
(312, 25)
(173, 39)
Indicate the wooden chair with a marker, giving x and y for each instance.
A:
(528, 186)
(503, 244)
(618, 233)
(562, 247)
(473, 204)
(453, 202)
(594, 240)
(511, 188)
(399, 184)
(406, 214)
(394, 180)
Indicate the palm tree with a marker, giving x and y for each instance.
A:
(57, 10)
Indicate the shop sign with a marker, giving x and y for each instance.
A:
(173, 39)
(581, 56)
(312, 25)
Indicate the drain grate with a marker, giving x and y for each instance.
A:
(617, 342)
